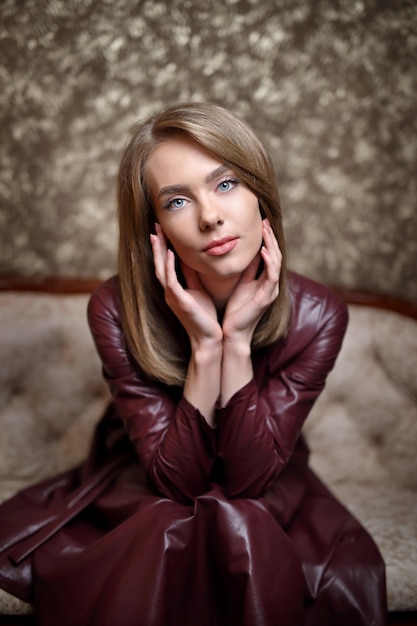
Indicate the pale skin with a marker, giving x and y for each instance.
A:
(199, 202)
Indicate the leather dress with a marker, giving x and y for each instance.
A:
(170, 521)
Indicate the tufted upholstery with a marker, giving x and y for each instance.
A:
(362, 432)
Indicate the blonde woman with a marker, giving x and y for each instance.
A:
(196, 505)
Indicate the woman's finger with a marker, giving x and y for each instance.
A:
(270, 277)
(158, 259)
(271, 253)
(161, 236)
(270, 241)
(172, 281)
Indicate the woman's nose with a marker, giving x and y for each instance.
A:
(210, 214)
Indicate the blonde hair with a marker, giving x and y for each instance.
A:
(154, 336)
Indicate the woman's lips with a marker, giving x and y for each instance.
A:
(221, 246)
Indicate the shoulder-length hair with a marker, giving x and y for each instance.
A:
(154, 336)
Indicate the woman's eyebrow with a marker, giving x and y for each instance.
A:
(217, 172)
(164, 191)
(184, 188)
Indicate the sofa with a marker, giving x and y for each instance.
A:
(362, 431)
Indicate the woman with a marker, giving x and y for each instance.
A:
(196, 504)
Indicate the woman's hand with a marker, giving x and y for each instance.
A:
(193, 306)
(245, 308)
(196, 311)
(252, 295)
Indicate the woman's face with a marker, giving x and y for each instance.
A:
(210, 217)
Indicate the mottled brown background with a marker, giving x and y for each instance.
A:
(330, 85)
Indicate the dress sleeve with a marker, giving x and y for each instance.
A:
(259, 427)
(173, 442)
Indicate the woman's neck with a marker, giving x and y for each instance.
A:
(219, 290)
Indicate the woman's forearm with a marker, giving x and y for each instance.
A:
(215, 372)
(202, 385)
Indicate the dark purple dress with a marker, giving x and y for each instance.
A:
(171, 522)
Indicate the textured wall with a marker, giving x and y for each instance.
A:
(330, 85)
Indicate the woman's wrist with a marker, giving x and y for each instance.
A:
(237, 368)
(207, 351)
(202, 386)
(237, 346)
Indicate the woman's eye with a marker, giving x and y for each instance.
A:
(175, 203)
(226, 185)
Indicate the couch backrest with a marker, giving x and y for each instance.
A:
(364, 425)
